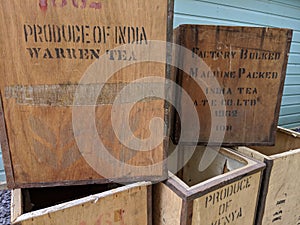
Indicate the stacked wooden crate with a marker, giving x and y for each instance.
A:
(280, 193)
(226, 192)
(228, 72)
(241, 72)
(50, 50)
(235, 77)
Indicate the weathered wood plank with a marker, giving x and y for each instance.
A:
(225, 192)
(226, 74)
(279, 200)
(44, 57)
(167, 206)
(16, 204)
(238, 209)
(124, 205)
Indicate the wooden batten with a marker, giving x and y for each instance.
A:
(233, 66)
(235, 179)
(16, 204)
(123, 205)
(167, 206)
(46, 57)
(279, 199)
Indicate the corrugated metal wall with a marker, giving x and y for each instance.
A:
(277, 13)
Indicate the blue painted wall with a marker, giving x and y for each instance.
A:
(2, 174)
(271, 13)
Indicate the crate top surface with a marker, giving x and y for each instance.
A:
(287, 143)
(231, 166)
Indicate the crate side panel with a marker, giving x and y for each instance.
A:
(233, 65)
(16, 204)
(282, 197)
(227, 205)
(126, 207)
(44, 55)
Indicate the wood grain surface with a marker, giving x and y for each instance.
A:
(241, 72)
(48, 47)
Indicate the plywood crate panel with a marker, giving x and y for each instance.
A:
(225, 192)
(280, 195)
(241, 72)
(45, 51)
(103, 204)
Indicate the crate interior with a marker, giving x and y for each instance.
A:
(224, 162)
(284, 142)
(39, 198)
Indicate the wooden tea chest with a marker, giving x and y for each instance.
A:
(52, 113)
(235, 77)
(226, 192)
(103, 204)
(280, 194)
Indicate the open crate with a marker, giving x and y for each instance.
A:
(226, 192)
(103, 204)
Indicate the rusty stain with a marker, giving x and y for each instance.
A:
(118, 215)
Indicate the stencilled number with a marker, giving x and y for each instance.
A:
(277, 216)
